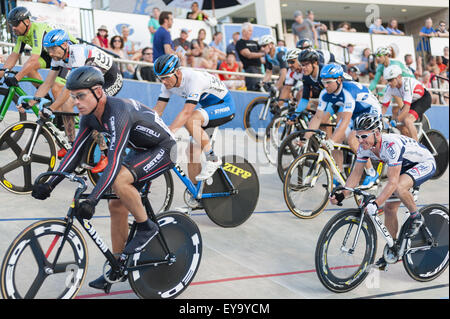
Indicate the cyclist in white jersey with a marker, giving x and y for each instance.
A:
(410, 164)
(216, 108)
(413, 100)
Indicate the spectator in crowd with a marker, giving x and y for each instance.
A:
(304, 29)
(445, 56)
(153, 23)
(409, 61)
(443, 85)
(442, 67)
(162, 41)
(116, 45)
(364, 65)
(392, 28)
(250, 55)
(145, 73)
(231, 47)
(427, 30)
(208, 59)
(345, 27)
(196, 13)
(231, 81)
(441, 31)
(128, 45)
(320, 27)
(354, 59)
(101, 39)
(198, 45)
(182, 41)
(281, 43)
(217, 42)
(432, 66)
(427, 82)
(377, 27)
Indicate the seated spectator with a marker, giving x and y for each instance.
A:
(409, 61)
(441, 31)
(363, 67)
(432, 66)
(445, 56)
(392, 28)
(354, 59)
(427, 82)
(116, 45)
(153, 23)
(198, 45)
(345, 27)
(443, 85)
(101, 40)
(231, 47)
(182, 41)
(145, 73)
(232, 82)
(377, 27)
(196, 13)
(439, 62)
(208, 59)
(217, 43)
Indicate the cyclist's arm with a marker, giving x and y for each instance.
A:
(314, 124)
(355, 176)
(267, 75)
(376, 79)
(60, 100)
(281, 78)
(339, 132)
(47, 85)
(32, 64)
(160, 106)
(183, 116)
(10, 62)
(393, 174)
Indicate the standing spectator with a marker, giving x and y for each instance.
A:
(196, 13)
(392, 28)
(182, 41)
(320, 27)
(425, 33)
(303, 29)
(101, 40)
(162, 41)
(445, 56)
(127, 43)
(198, 45)
(250, 55)
(145, 73)
(153, 23)
(377, 27)
(441, 31)
(232, 46)
(409, 61)
(231, 81)
(363, 67)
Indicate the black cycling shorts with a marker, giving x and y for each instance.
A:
(421, 105)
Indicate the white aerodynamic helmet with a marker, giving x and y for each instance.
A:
(383, 51)
(266, 39)
(391, 72)
(292, 54)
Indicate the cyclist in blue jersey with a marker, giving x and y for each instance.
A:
(274, 56)
(198, 88)
(347, 99)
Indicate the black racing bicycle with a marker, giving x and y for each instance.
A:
(49, 258)
(347, 245)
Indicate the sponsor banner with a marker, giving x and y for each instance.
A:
(437, 46)
(67, 18)
(358, 39)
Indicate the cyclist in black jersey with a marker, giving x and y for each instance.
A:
(128, 124)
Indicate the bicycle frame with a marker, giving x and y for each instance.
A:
(13, 90)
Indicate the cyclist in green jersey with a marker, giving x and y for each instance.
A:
(31, 33)
(384, 59)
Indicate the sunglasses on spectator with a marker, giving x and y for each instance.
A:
(117, 40)
(363, 136)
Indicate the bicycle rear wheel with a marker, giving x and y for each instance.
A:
(426, 265)
(168, 280)
(27, 270)
(340, 269)
(255, 121)
(18, 170)
(11, 117)
(440, 144)
(232, 210)
(303, 199)
(161, 191)
(276, 132)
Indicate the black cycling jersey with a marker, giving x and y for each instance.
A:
(312, 87)
(127, 123)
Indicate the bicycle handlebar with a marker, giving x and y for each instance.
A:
(366, 196)
(42, 102)
(70, 176)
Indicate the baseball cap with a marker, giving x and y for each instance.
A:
(298, 13)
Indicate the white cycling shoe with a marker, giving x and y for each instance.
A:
(208, 169)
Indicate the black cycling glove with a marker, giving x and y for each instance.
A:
(41, 191)
(11, 81)
(86, 209)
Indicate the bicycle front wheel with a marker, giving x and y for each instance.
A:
(276, 132)
(18, 166)
(257, 116)
(342, 264)
(29, 270)
(168, 280)
(426, 265)
(437, 144)
(307, 186)
(11, 117)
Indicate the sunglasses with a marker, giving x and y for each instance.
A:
(363, 136)
(325, 82)
(79, 96)
(14, 23)
(290, 61)
(165, 77)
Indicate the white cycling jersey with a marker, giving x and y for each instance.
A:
(398, 150)
(410, 91)
(197, 87)
(293, 77)
(84, 54)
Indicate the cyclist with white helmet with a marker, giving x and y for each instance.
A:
(384, 59)
(274, 56)
(347, 99)
(414, 99)
(294, 74)
(409, 163)
(325, 56)
(216, 108)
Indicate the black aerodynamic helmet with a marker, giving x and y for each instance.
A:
(18, 14)
(84, 77)
(308, 55)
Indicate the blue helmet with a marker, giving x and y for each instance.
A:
(166, 64)
(332, 71)
(55, 38)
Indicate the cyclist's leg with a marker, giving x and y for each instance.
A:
(119, 225)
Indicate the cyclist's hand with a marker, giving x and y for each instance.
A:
(11, 81)
(46, 113)
(86, 209)
(329, 144)
(41, 191)
(372, 208)
(337, 198)
(267, 86)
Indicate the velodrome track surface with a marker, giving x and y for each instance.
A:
(270, 256)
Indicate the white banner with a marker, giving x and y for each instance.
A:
(358, 39)
(437, 46)
(401, 44)
(67, 18)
